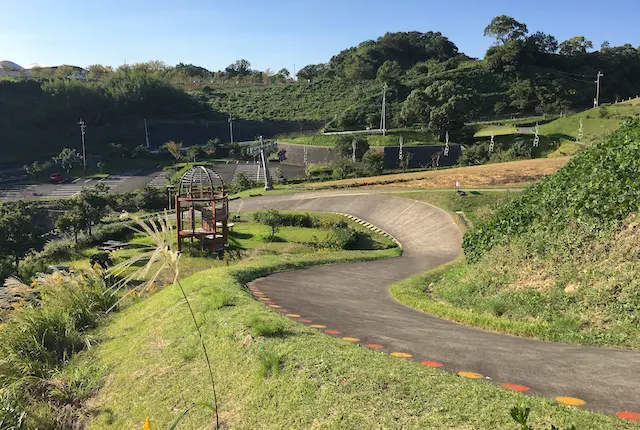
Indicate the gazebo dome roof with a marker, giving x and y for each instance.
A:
(201, 181)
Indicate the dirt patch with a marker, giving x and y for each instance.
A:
(515, 173)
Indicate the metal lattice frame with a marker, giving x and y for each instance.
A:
(200, 182)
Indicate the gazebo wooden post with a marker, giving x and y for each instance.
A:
(178, 222)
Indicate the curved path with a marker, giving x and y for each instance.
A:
(353, 300)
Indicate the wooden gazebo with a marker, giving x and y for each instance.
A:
(202, 209)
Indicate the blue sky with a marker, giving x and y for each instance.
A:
(277, 33)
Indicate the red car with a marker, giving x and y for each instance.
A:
(56, 178)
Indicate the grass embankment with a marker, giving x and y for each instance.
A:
(597, 122)
(560, 262)
(411, 138)
(290, 376)
(476, 205)
(320, 100)
(502, 175)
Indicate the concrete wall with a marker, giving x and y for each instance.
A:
(422, 156)
(294, 154)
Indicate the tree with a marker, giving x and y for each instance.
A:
(194, 152)
(42, 72)
(283, 75)
(140, 151)
(91, 204)
(344, 146)
(271, 218)
(390, 72)
(19, 231)
(174, 148)
(64, 71)
(312, 71)
(542, 42)
(71, 222)
(575, 46)
(68, 159)
(505, 28)
(239, 68)
(35, 169)
(212, 147)
(374, 162)
(415, 108)
(98, 71)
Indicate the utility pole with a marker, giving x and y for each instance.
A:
(383, 117)
(353, 150)
(146, 134)
(83, 127)
(596, 101)
(230, 124)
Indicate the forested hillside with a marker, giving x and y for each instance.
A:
(429, 83)
(38, 117)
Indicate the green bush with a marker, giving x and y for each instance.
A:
(271, 218)
(319, 171)
(103, 259)
(597, 189)
(240, 183)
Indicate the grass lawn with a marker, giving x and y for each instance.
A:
(476, 206)
(496, 130)
(291, 377)
(410, 136)
(597, 122)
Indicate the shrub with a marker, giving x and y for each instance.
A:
(319, 171)
(103, 259)
(240, 183)
(271, 218)
(373, 163)
(266, 328)
(597, 189)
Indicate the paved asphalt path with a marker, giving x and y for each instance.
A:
(355, 300)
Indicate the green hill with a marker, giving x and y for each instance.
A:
(319, 100)
(597, 122)
(560, 262)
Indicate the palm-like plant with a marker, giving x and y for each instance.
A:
(160, 257)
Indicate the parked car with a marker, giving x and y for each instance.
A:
(56, 178)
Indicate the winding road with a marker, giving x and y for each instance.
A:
(353, 301)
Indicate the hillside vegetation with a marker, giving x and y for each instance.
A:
(392, 138)
(559, 262)
(38, 117)
(597, 122)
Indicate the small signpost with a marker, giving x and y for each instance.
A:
(536, 139)
(492, 144)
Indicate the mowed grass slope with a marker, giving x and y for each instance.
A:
(294, 377)
(597, 122)
(510, 174)
(559, 262)
(392, 138)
